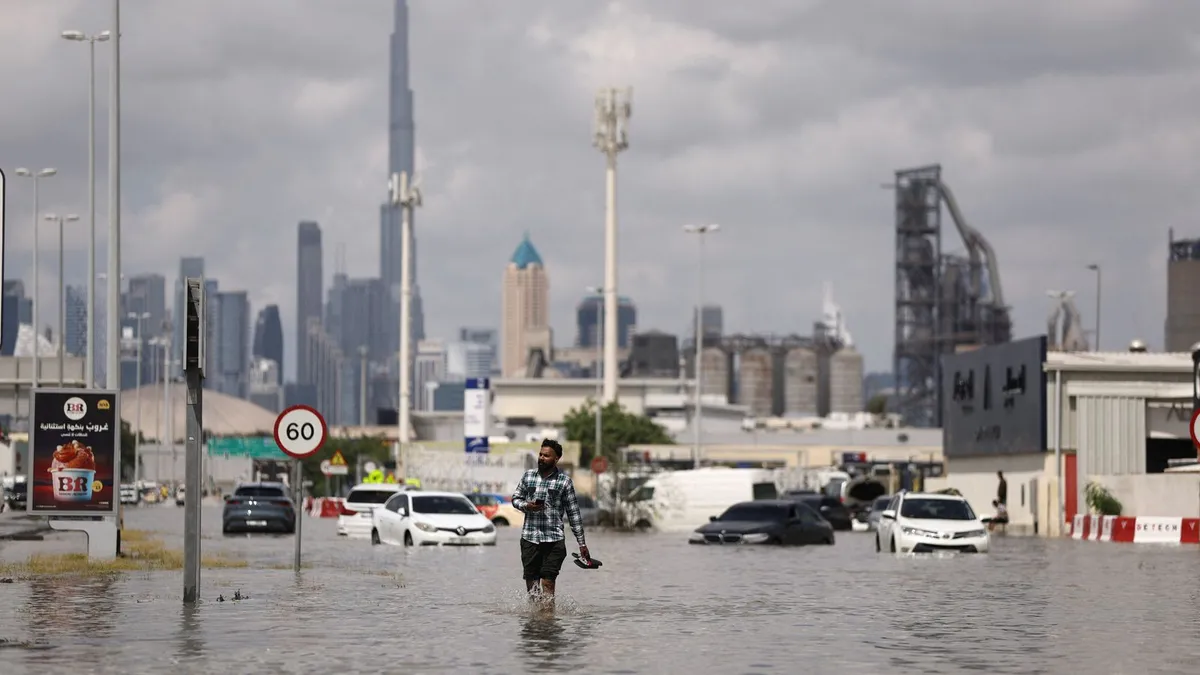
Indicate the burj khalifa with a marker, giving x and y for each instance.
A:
(401, 157)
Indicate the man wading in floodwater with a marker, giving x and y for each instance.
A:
(544, 495)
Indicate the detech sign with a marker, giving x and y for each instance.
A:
(995, 399)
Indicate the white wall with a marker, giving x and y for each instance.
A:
(1155, 494)
(975, 478)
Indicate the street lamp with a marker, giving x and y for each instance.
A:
(62, 291)
(91, 40)
(1096, 268)
(599, 292)
(137, 442)
(36, 176)
(697, 414)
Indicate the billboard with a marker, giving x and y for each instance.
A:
(74, 443)
(477, 404)
(994, 399)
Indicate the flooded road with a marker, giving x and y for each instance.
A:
(658, 606)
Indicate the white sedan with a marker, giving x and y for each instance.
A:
(354, 518)
(431, 519)
(916, 522)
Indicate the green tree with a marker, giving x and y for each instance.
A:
(877, 405)
(621, 429)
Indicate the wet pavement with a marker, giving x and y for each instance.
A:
(657, 606)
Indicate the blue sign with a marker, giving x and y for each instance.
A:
(477, 414)
(477, 445)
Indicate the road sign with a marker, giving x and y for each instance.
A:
(1193, 427)
(330, 469)
(338, 459)
(300, 431)
(599, 465)
(254, 447)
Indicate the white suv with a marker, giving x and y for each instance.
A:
(919, 522)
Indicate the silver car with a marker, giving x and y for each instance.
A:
(877, 508)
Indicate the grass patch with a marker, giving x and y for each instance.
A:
(141, 552)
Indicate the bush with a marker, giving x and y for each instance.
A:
(1101, 501)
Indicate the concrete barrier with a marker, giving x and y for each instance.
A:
(1136, 530)
(323, 507)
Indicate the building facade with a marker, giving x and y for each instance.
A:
(310, 283)
(525, 310)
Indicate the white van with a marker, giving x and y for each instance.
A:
(681, 501)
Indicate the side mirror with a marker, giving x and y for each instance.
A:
(403, 513)
(712, 519)
(887, 514)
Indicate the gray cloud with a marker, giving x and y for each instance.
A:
(1066, 130)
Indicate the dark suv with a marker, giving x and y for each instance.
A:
(830, 508)
(259, 507)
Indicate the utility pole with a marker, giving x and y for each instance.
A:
(613, 108)
(697, 413)
(406, 195)
(113, 304)
(193, 369)
(362, 387)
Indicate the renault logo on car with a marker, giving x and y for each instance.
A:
(462, 531)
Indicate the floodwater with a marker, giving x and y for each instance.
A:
(658, 606)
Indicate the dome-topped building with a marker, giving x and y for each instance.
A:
(525, 319)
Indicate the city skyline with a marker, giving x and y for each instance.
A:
(799, 202)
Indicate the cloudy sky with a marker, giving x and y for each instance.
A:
(1067, 130)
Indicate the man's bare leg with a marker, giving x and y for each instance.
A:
(548, 594)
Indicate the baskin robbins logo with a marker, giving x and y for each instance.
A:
(75, 408)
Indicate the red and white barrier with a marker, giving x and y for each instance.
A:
(323, 507)
(1136, 530)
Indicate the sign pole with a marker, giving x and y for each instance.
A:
(193, 369)
(299, 487)
(300, 431)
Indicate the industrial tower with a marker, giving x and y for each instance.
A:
(944, 302)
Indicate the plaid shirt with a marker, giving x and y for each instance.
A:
(558, 495)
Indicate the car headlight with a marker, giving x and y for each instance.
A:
(756, 538)
(973, 533)
(425, 527)
(918, 532)
(489, 529)
(696, 537)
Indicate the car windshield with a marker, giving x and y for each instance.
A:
(881, 503)
(369, 496)
(754, 513)
(260, 491)
(443, 504)
(936, 509)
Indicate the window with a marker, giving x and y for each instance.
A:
(807, 514)
(394, 503)
(764, 491)
(369, 496)
(834, 487)
(881, 503)
(751, 512)
(443, 504)
(643, 494)
(479, 499)
(260, 491)
(936, 509)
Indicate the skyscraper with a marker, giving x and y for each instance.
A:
(401, 157)
(309, 291)
(525, 310)
(75, 333)
(590, 328)
(268, 338)
(232, 344)
(148, 294)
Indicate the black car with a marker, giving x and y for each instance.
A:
(830, 508)
(259, 507)
(765, 521)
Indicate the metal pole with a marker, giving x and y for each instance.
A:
(362, 387)
(37, 299)
(1058, 436)
(610, 368)
(193, 489)
(90, 376)
(599, 391)
(137, 433)
(113, 375)
(697, 414)
(405, 195)
(299, 501)
(62, 303)
(1098, 289)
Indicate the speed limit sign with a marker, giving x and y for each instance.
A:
(300, 431)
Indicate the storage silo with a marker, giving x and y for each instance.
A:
(716, 372)
(755, 379)
(800, 382)
(846, 381)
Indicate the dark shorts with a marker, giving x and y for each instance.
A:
(543, 561)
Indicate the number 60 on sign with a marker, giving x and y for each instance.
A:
(300, 431)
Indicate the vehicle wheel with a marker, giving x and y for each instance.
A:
(893, 545)
(829, 542)
(500, 522)
(878, 548)
(375, 541)
(408, 540)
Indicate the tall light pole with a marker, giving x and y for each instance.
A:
(1096, 268)
(36, 176)
(362, 386)
(113, 374)
(405, 194)
(611, 136)
(62, 291)
(137, 442)
(599, 291)
(697, 414)
(103, 276)
(91, 40)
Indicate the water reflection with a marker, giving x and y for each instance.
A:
(71, 607)
(542, 639)
(191, 642)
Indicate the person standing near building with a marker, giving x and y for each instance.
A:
(1002, 489)
(545, 495)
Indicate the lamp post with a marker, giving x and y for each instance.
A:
(36, 176)
(103, 276)
(1096, 268)
(404, 193)
(114, 204)
(697, 414)
(600, 307)
(611, 137)
(91, 40)
(137, 433)
(62, 291)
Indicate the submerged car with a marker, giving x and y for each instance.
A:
(765, 521)
(876, 509)
(919, 522)
(354, 512)
(431, 519)
(259, 507)
(830, 508)
(497, 508)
